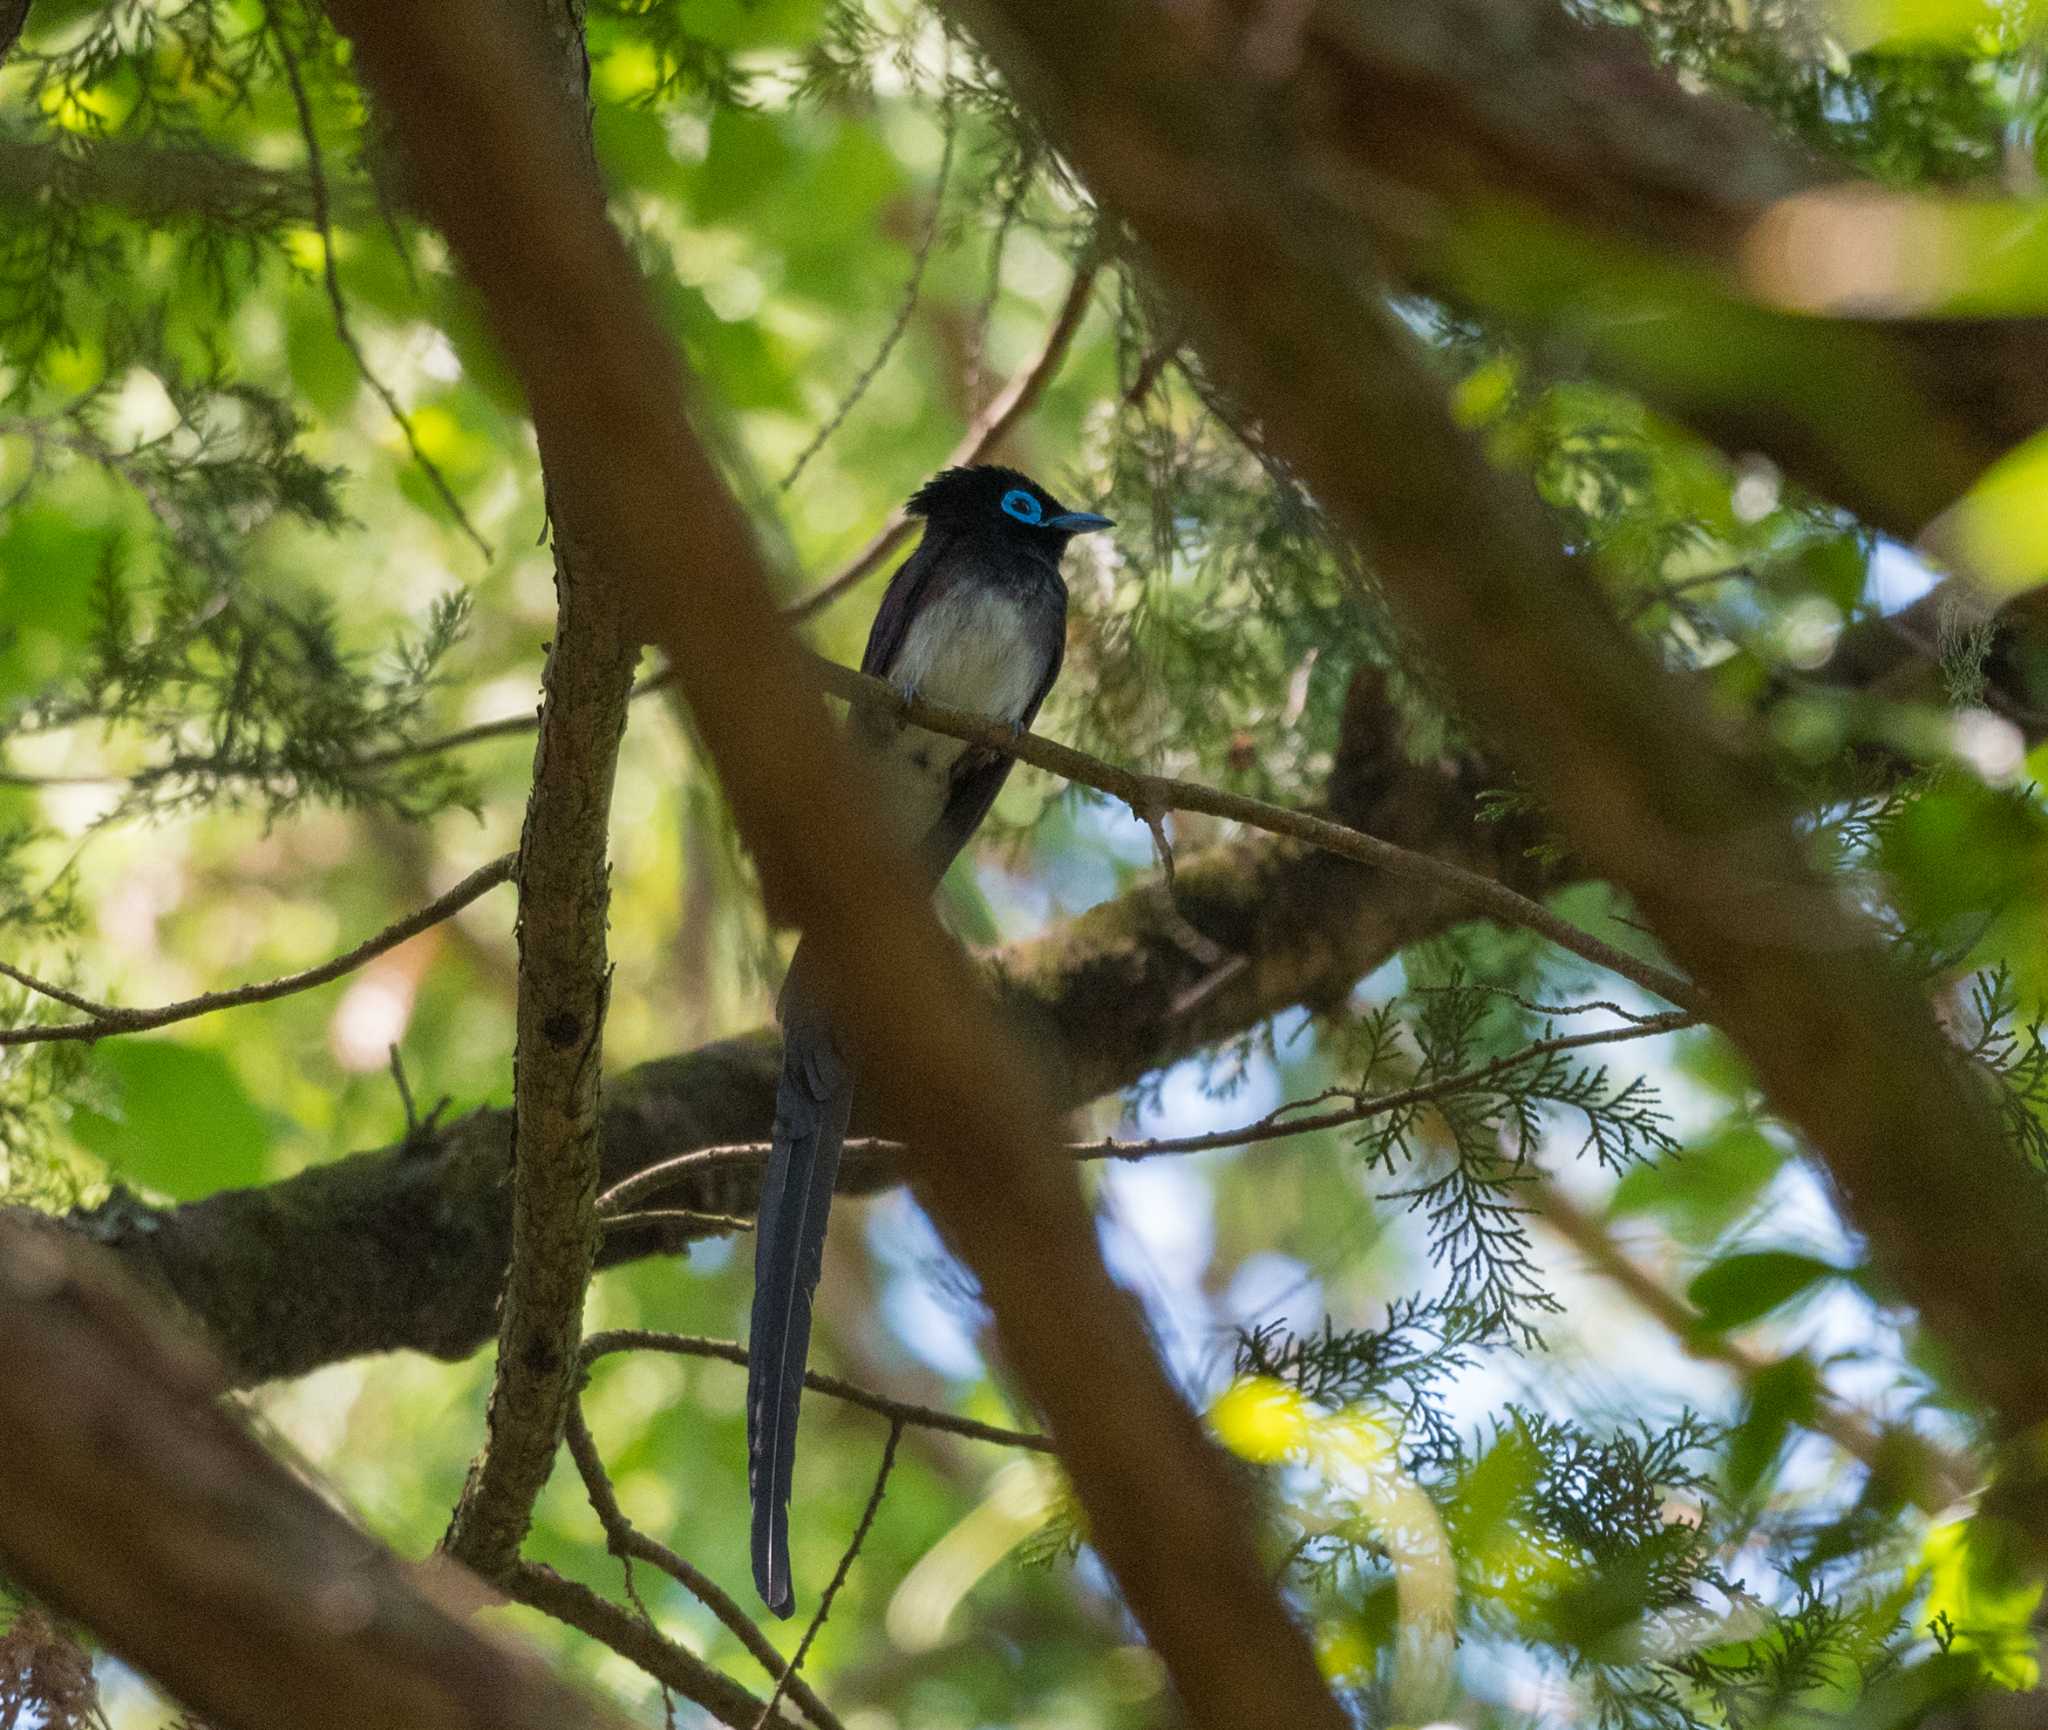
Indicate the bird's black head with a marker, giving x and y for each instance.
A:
(999, 500)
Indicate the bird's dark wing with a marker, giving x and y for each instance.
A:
(812, 1101)
(901, 602)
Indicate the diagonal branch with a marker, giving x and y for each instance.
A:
(1149, 796)
(542, 1589)
(628, 1543)
(1646, 785)
(132, 1499)
(606, 391)
(107, 1019)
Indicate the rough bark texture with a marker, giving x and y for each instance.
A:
(132, 1500)
(564, 986)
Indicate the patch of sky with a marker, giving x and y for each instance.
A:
(922, 1286)
(1897, 577)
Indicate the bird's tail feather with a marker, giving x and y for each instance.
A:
(812, 1102)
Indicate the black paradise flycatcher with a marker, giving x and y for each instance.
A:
(976, 619)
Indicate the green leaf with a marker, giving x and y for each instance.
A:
(49, 563)
(1738, 1289)
(179, 1122)
(1702, 1190)
(1779, 1397)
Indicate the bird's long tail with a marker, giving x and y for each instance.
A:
(812, 1103)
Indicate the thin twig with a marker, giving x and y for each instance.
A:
(108, 1019)
(666, 1171)
(412, 1116)
(998, 246)
(987, 430)
(627, 1541)
(1149, 371)
(1277, 1125)
(612, 1340)
(860, 1533)
(1157, 793)
(575, 1604)
(316, 175)
(689, 1216)
(911, 290)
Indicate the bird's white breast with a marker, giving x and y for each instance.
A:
(972, 648)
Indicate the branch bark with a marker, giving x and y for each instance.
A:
(1646, 786)
(564, 984)
(606, 393)
(132, 1500)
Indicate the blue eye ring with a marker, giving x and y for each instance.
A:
(1021, 505)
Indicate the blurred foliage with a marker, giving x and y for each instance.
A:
(242, 611)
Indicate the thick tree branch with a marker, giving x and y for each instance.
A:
(132, 1500)
(1644, 784)
(606, 393)
(1512, 157)
(564, 989)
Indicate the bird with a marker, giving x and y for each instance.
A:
(975, 618)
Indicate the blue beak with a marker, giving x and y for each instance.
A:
(1080, 523)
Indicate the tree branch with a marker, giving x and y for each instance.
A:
(897, 1411)
(133, 1500)
(1645, 785)
(541, 1588)
(108, 1019)
(1280, 1124)
(564, 988)
(606, 392)
(628, 1543)
(1151, 796)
